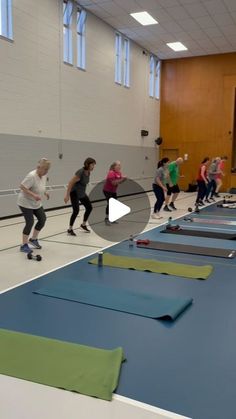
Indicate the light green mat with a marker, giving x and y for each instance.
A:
(150, 265)
(83, 369)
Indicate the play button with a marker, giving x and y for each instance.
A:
(131, 209)
(117, 210)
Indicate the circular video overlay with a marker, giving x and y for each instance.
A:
(128, 215)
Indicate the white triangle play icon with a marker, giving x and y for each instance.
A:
(117, 209)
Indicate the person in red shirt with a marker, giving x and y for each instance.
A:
(202, 181)
(219, 176)
(113, 180)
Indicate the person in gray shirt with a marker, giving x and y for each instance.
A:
(159, 186)
(213, 171)
(76, 192)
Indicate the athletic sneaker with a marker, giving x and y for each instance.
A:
(207, 200)
(85, 228)
(25, 248)
(35, 243)
(212, 199)
(166, 208)
(172, 205)
(71, 232)
(156, 216)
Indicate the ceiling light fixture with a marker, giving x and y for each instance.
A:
(144, 18)
(177, 46)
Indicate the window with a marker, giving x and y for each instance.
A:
(118, 48)
(151, 76)
(154, 77)
(126, 63)
(81, 20)
(157, 79)
(67, 31)
(122, 64)
(6, 19)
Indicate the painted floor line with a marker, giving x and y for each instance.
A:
(73, 244)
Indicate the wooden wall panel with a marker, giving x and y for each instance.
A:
(197, 108)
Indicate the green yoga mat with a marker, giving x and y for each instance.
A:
(83, 369)
(145, 305)
(150, 265)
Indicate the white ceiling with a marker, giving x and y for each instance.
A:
(203, 26)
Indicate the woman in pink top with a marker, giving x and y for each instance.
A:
(113, 179)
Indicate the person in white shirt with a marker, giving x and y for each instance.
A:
(33, 187)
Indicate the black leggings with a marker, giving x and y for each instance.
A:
(211, 188)
(202, 189)
(160, 196)
(85, 201)
(28, 214)
(109, 195)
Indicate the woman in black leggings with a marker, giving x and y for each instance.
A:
(159, 186)
(76, 192)
(32, 190)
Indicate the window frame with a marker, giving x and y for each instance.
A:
(154, 77)
(126, 62)
(151, 76)
(67, 32)
(6, 24)
(157, 79)
(118, 58)
(81, 17)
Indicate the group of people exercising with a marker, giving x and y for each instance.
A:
(165, 188)
(165, 185)
(209, 179)
(33, 187)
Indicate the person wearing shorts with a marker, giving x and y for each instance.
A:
(172, 185)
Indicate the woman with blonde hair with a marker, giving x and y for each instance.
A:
(33, 187)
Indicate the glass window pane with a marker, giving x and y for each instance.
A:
(157, 79)
(126, 63)
(6, 19)
(81, 45)
(118, 49)
(151, 76)
(67, 31)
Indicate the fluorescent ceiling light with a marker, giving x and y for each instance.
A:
(177, 46)
(144, 18)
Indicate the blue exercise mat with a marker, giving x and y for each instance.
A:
(145, 305)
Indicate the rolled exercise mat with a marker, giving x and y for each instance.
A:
(228, 201)
(141, 304)
(155, 266)
(230, 206)
(210, 221)
(83, 369)
(201, 233)
(192, 250)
